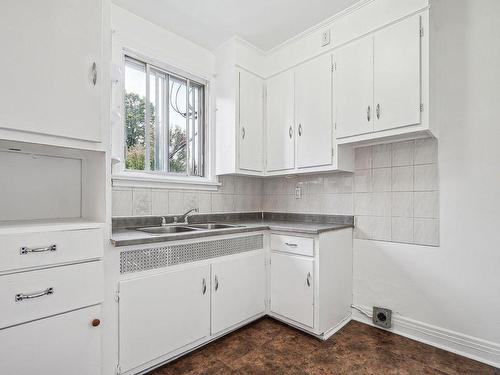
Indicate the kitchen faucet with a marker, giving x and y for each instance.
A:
(184, 216)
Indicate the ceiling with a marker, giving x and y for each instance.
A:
(264, 23)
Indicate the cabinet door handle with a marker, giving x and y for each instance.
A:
(378, 111)
(300, 130)
(368, 113)
(216, 283)
(94, 73)
(204, 286)
(21, 296)
(243, 132)
(290, 132)
(291, 244)
(26, 249)
(308, 279)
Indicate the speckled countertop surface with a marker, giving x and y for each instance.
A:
(125, 233)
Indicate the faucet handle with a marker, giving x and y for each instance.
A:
(163, 221)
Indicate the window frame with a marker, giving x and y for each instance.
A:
(123, 177)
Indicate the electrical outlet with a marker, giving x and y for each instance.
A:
(382, 317)
(298, 192)
(325, 38)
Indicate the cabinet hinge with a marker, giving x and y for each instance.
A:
(118, 369)
(421, 107)
(117, 296)
(421, 31)
(334, 66)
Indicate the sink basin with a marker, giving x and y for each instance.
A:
(167, 229)
(211, 226)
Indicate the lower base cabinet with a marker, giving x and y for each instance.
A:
(238, 290)
(60, 345)
(161, 313)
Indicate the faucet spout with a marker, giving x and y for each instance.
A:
(183, 217)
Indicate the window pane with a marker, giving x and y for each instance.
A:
(195, 131)
(177, 126)
(135, 114)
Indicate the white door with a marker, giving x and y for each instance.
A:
(161, 313)
(238, 290)
(280, 122)
(397, 75)
(292, 285)
(60, 345)
(353, 88)
(49, 48)
(251, 129)
(313, 112)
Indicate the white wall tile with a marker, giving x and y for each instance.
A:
(337, 204)
(381, 230)
(363, 204)
(426, 204)
(122, 202)
(402, 204)
(205, 202)
(363, 158)
(381, 179)
(338, 183)
(363, 227)
(426, 177)
(402, 153)
(426, 151)
(381, 156)
(402, 229)
(363, 181)
(381, 204)
(141, 200)
(159, 199)
(176, 203)
(426, 231)
(222, 202)
(402, 178)
(228, 184)
(190, 200)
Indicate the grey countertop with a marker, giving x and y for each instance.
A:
(130, 236)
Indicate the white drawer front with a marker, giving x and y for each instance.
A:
(59, 345)
(25, 250)
(292, 244)
(27, 296)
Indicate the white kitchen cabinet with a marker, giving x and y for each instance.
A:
(51, 69)
(63, 344)
(161, 313)
(313, 112)
(353, 85)
(397, 75)
(251, 126)
(238, 290)
(292, 285)
(280, 135)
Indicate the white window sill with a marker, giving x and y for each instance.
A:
(154, 181)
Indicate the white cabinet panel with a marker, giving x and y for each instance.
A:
(292, 244)
(162, 313)
(60, 345)
(292, 284)
(313, 112)
(251, 129)
(397, 75)
(46, 70)
(280, 122)
(353, 88)
(238, 290)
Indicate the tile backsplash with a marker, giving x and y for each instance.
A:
(393, 194)
(235, 194)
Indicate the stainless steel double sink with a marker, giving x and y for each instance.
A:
(166, 229)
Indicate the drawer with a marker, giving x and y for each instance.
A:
(292, 244)
(26, 296)
(59, 345)
(34, 249)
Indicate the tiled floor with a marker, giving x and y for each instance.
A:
(269, 347)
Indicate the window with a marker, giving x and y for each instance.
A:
(164, 121)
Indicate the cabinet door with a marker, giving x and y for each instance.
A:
(292, 284)
(353, 88)
(280, 124)
(313, 112)
(59, 345)
(46, 70)
(238, 290)
(397, 75)
(251, 102)
(161, 313)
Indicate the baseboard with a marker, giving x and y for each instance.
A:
(471, 347)
(337, 327)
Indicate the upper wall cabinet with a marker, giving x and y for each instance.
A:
(378, 84)
(51, 68)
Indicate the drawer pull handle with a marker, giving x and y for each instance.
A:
(203, 286)
(26, 250)
(291, 244)
(21, 296)
(216, 283)
(308, 279)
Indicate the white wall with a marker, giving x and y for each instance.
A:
(455, 286)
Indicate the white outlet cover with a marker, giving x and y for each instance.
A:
(325, 38)
(298, 193)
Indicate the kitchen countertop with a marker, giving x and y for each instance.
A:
(130, 236)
